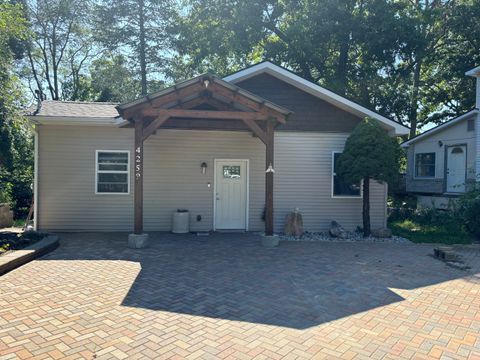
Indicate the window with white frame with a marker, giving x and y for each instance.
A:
(425, 165)
(112, 172)
(340, 187)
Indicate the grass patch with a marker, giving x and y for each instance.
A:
(428, 233)
(19, 223)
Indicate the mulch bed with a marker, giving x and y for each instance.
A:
(16, 241)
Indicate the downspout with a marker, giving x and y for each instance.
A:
(35, 182)
(477, 131)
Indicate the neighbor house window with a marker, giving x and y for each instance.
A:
(112, 172)
(425, 165)
(340, 187)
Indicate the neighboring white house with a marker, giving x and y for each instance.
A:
(444, 161)
(193, 148)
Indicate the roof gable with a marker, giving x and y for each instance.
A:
(441, 127)
(317, 91)
(309, 112)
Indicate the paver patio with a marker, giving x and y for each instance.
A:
(224, 296)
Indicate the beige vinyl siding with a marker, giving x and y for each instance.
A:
(66, 180)
(173, 179)
(303, 163)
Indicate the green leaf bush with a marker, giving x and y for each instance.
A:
(468, 212)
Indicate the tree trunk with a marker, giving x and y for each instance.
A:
(342, 65)
(414, 102)
(366, 207)
(142, 49)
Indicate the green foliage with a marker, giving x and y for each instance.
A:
(421, 232)
(16, 241)
(370, 152)
(367, 50)
(15, 141)
(468, 210)
(59, 47)
(112, 80)
(138, 30)
(457, 225)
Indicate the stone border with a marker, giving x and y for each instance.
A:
(16, 258)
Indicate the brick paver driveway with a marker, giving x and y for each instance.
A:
(224, 296)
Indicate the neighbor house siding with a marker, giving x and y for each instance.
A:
(173, 179)
(303, 163)
(454, 135)
(477, 138)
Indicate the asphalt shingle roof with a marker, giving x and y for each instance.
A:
(77, 109)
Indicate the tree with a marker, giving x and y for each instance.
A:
(60, 46)
(369, 154)
(448, 91)
(348, 46)
(15, 140)
(112, 80)
(138, 30)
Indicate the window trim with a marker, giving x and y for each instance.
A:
(415, 176)
(332, 181)
(112, 171)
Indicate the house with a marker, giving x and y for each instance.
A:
(239, 153)
(444, 162)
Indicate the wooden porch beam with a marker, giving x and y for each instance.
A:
(245, 101)
(203, 100)
(154, 125)
(257, 130)
(214, 114)
(151, 108)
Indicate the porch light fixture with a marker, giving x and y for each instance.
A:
(204, 167)
(206, 82)
(270, 169)
(440, 143)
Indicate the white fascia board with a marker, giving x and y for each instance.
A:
(474, 72)
(73, 120)
(440, 127)
(317, 91)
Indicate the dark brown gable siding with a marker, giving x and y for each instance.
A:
(310, 113)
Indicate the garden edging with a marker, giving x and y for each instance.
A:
(17, 258)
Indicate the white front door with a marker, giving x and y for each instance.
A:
(456, 168)
(231, 194)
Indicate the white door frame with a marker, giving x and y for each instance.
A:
(247, 192)
(447, 148)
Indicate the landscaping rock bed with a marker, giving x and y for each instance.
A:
(349, 236)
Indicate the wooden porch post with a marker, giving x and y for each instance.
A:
(138, 190)
(269, 178)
